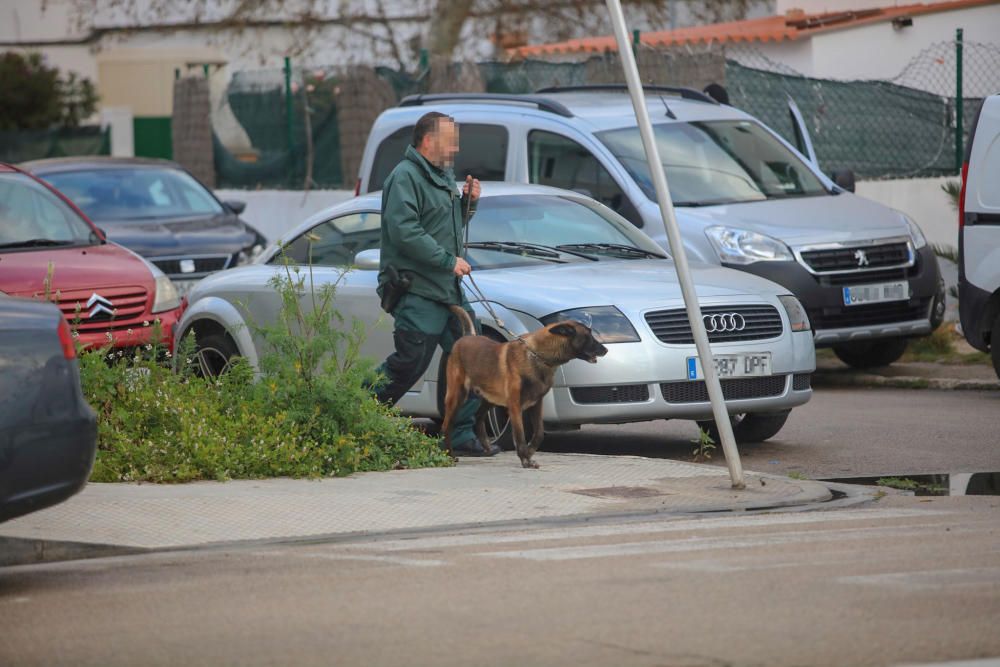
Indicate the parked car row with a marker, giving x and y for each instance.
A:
(784, 260)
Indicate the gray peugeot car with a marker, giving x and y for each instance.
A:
(745, 198)
(540, 255)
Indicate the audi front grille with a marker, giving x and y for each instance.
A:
(733, 389)
(723, 324)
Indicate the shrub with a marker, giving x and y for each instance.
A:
(307, 414)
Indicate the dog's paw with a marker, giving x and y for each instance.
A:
(529, 463)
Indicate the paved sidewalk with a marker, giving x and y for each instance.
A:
(475, 492)
(907, 375)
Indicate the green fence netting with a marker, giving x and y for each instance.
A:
(23, 145)
(899, 128)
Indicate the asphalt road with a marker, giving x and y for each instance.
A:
(839, 433)
(911, 580)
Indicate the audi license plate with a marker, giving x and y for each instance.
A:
(879, 293)
(732, 366)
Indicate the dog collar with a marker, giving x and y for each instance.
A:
(536, 355)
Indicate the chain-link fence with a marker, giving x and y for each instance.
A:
(306, 127)
(904, 127)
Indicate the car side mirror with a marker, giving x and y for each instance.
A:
(368, 260)
(844, 178)
(235, 205)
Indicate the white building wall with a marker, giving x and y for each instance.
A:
(879, 51)
(923, 200)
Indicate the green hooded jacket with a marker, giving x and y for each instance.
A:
(422, 228)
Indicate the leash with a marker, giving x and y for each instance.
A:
(478, 293)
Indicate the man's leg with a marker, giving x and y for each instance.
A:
(416, 334)
(463, 431)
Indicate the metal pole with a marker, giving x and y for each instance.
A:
(959, 136)
(288, 115)
(676, 246)
(635, 41)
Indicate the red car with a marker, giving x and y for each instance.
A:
(109, 294)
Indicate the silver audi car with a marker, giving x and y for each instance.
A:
(541, 254)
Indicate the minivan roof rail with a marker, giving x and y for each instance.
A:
(685, 93)
(544, 104)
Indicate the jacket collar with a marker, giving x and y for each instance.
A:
(443, 178)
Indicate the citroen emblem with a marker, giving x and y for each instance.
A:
(861, 256)
(97, 304)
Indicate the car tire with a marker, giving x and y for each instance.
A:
(749, 427)
(213, 354)
(871, 353)
(995, 345)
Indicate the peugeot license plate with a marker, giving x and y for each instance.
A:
(880, 293)
(733, 366)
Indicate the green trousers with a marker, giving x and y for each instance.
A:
(420, 326)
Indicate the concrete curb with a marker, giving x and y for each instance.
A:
(815, 495)
(25, 551)
(853, 379)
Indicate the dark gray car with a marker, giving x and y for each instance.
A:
(48, 433)
(158, 210)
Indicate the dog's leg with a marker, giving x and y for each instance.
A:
(480, 427)
(517, 427)
(454, 397)
(534, 414)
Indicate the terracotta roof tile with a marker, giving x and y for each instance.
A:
(793, 26)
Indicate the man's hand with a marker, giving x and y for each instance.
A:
(471, 185)
(462, 267)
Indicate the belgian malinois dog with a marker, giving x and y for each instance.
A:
(514, 375)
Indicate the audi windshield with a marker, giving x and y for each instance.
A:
(31, 216)
(516, 230)
(717, 162)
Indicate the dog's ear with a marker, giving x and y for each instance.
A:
(563, 330)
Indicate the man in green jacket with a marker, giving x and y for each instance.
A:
(423, 219)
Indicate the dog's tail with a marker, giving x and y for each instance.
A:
(468, 328)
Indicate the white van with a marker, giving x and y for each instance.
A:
(979, 234)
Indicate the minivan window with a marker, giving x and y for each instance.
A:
(482, 152)
(560, 162)
(717, 162)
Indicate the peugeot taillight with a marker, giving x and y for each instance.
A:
(66, 340)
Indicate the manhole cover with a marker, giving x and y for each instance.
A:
(621, 492)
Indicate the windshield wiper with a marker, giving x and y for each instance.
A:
(34, 243)
(533, 249)
(614, 247)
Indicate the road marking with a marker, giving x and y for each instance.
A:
(985, 662)
(929, 579)
(650, 527)
(392, 560)
(714, 543)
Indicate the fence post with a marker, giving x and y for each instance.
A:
(288, 115)
(635, 41)
(959, 153)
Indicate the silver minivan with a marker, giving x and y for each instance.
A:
(979, 233)
(745, 198)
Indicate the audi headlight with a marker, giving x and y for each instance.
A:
(797, 317)
(741, 246)
(919, 240)
(166, 297)
(608, 324)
